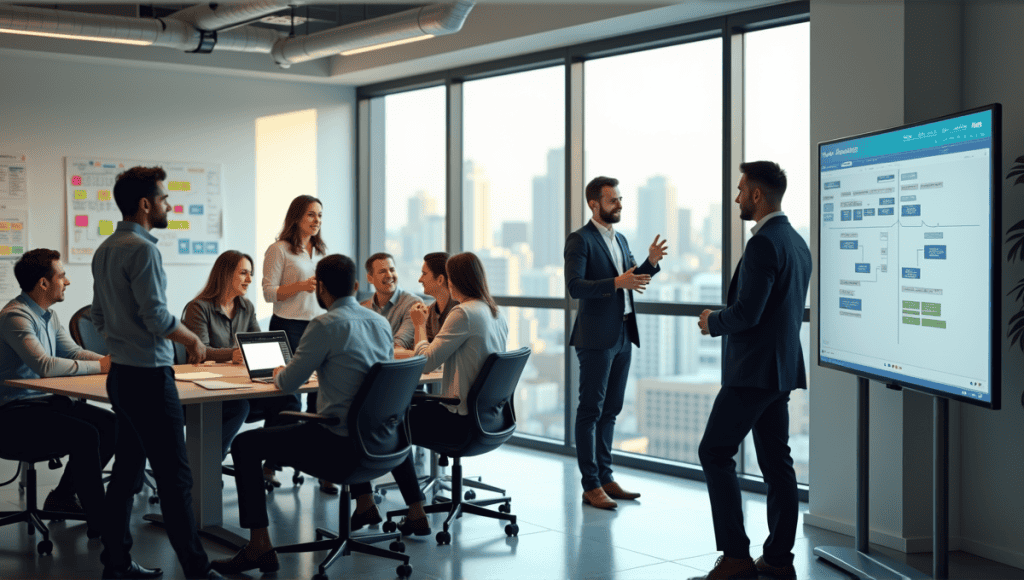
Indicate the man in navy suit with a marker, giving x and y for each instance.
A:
(601, 273)
(762, 363)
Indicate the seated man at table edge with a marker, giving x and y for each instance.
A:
(389, 300)
(340, 346)
(33, 345)
(220, 311)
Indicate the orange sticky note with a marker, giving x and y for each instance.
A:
(5, 226)
(104, 195)
(5, 250)
(17, 226)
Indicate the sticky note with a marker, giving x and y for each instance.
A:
(76, 180)
(17, 250)
(82, 221)
(17, 226)
(5, 250)
(178, 225)
(104, 195)
(81, 194)
(106, 227)
(179, 209)
(5, 226)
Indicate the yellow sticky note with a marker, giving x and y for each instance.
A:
(106, 227)
(81, 194)
(104, 195)
(178, 225)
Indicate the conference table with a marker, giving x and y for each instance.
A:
(202, 430)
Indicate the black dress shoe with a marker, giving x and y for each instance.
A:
(132, 571)
(67, 504)
(365, 518)
(245, 560)
(419, 527)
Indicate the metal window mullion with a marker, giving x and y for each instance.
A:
(370, 186)
(574, 103)
(454, 154)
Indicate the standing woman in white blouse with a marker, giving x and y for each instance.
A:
(289, 283)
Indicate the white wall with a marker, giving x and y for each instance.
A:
(50, 109)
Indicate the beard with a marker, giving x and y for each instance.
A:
(159, 223)
(609, 217)
(320, 301)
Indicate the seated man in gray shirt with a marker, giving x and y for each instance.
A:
(340, 346)
(32, 345)
(389, 300)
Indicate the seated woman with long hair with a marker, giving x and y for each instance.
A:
(473, 330)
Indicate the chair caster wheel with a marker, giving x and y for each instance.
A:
(505, 508)
(470, 495)
(444, 538)
(154, 499)
(404, 571)
(269, 487)
(397, 546)
(378, 498)
(512, 530)
(389, 527)
(45, 548)
(298, 479)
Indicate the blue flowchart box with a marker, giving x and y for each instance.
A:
(858, 214)
(908, 176)
(198, 247)
(912, 273)
(829, 216)
(848, 244)
(195, 209)
(831, 185)
(845, 215)
(863, 268)
(911, 210)
(211, 248)
(887, 201)
(935, 252)
(886, 210)
(868, 212)
(183, 246)
(887, 177)
(829, 207)
(849, 303)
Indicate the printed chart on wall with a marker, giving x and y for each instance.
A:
(194, 232)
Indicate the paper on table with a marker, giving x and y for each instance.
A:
(216, 385)
(194, 376)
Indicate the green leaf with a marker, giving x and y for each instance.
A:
(1014, 172)
(1017, 226)
(1015, 250)
(1019, 180)
(1020, 159)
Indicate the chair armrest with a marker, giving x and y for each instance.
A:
(420, 397)
(311, 417)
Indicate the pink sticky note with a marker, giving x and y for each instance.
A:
(179, 209)
(82, 221)
(76, 180)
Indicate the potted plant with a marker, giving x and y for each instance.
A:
(1015, 235)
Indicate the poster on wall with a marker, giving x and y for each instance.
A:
(194, 232)
(13, 243)
(13, 177)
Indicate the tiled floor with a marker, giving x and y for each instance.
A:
(666, 534)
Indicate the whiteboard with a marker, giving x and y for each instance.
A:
(195, 232)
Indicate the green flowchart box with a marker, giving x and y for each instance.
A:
(911, 304)
(933, 323)
(931, 309)
(911, 320)
(914, 312)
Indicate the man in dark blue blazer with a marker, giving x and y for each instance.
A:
(762, 363)
(601, 273)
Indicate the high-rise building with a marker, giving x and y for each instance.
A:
(685, 230)
(549, 212)
(513, 233)
(673, 411)
(658, 215)
(713, 227)
(476, 207)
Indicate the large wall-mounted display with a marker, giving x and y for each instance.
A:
(194, 232)
(909, 254)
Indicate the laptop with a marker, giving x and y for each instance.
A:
(263, 352)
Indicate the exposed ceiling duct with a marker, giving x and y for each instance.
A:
(208, 27)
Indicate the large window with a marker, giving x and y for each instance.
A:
(414, 180)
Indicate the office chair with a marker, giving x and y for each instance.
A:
(86, 335)
(32, 515)
(492, 423)
(380, 443)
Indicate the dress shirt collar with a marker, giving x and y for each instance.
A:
(349, 301)
(239, 306)
(126, 226)
(36, 308)
(760, 223)
(607, 232)
(393, 300)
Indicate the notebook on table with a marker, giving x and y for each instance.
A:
(263, 352)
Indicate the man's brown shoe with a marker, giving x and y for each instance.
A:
(599, 499)
(727, 568)
(613, 490)
(787, 572)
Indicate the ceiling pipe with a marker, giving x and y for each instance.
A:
(408, 26)
(214, 16)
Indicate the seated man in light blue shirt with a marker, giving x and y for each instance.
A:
(340, 346)
(32, 345)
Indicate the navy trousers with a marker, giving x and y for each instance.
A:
(603, 374)
(736, 412)
(150, 423)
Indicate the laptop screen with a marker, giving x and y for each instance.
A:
(264, 351)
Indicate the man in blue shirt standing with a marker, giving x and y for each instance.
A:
(130, 309)
(32, 345)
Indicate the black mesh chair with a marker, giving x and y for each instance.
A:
(86, 335)
(380, 443)
(32, 515)
(492, 423)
